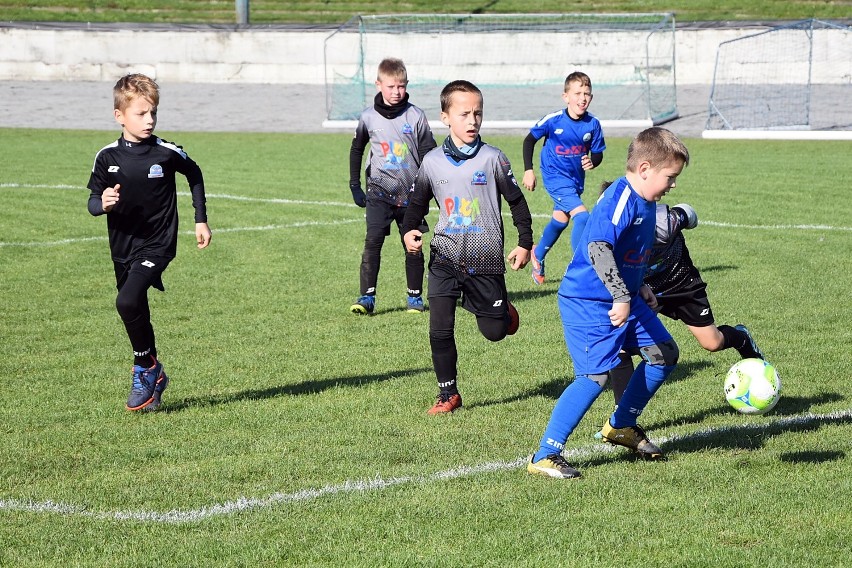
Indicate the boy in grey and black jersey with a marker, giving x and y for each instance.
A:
(468, 180)
(398, 135)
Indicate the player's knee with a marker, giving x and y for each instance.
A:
(665, 354)
(128, 308)
(374, 240)
(441, 334)
(493, 329)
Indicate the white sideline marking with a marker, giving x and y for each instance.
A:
(215, 232)
(377, 483)
(340, 204)
(776, 227)
(350, 204)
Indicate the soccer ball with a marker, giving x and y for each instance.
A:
(752, 386)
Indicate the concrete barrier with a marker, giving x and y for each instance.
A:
(210, 54)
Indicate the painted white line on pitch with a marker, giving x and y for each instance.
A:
(775, 227)
(215, 232)
(41, 186)
(283, 201)
(376, 484)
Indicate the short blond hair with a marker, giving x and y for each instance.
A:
(134, 86)
(392, 68)
(657, 146)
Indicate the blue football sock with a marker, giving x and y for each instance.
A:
(569, 409)
(580, 220)
(548, 238)
(643, 384)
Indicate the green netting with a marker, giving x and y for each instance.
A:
(520, 61)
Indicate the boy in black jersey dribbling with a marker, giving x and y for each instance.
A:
(133, 184)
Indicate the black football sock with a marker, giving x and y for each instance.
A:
(738, 340)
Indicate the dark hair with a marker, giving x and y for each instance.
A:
(460, 86)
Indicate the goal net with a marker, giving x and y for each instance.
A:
(792, 81)
(519, 61)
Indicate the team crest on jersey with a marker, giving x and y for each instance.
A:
(156, 171)
(461, 213)
(406, 128)
(479, 178)
(587, 136)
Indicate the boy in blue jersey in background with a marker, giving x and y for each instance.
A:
(606, 307)
(573, 144)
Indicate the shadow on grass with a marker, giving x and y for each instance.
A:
(753, 436)
(306, 387)
(718, 268)
(515, 296)
(745, 437)
(553, 389)
(518, 296)
(787, 406)
(812, 457)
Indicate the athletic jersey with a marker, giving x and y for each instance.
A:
(670, 268)
(397, 146)
(566, 141)
(627, 222)
(144, 222)
(469, 233)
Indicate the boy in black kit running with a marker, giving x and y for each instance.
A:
(133, 183)
(468, 180)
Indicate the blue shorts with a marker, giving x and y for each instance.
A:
(565, 198)
(593, 342)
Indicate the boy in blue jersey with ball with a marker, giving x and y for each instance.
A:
(606, 307)
(573, 144)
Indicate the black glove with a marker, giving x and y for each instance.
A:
(358, 195)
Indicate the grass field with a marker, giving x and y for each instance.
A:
(295, 434)
(339, 11)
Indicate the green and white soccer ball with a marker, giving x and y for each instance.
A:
(752, 386)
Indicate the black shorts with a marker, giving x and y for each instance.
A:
(381, 214)
(481, 294)
(151, 267)
(689, 305)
